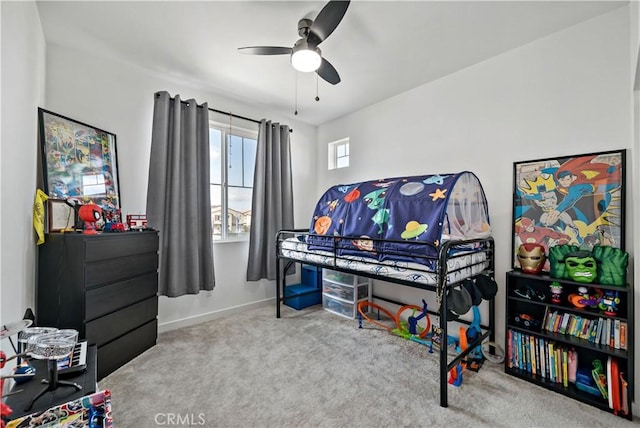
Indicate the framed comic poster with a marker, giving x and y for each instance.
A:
(577, 200)
(79, 162)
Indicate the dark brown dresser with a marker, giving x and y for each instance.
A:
(106, 287)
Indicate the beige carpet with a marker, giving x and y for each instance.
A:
(314, 369)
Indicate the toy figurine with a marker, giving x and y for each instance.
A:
(90, 214)
(584, 299)
(556, 291)
(609, 302)
(581, 266)
(531, 257)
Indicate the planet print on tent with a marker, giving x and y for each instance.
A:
(322, 224)
(413, 229)
(365, 243)
(435, 179)
(352, 195)
(411, 189)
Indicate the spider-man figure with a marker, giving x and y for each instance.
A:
(90, 213)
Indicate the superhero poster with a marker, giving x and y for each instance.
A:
(79, 161)
(577, 200)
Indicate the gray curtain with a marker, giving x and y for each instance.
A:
(272, 203)
(178, 204)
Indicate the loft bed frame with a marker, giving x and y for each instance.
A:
(443, 267)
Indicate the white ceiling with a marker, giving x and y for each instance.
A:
(380, 49)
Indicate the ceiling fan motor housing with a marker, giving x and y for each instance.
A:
(304, 26)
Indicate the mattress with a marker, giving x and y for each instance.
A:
(463, 264)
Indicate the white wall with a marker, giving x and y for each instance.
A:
(23, 69)
(635, 82)
(564, 94)
(118, 97)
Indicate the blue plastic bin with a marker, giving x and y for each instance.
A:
(295, 300)
(311, 276)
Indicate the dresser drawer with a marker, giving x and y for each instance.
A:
(105, 329)
(124, 349)
(112, 270)
(120, 245)
(103, 300)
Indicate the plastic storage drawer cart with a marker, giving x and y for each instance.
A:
(341, 292)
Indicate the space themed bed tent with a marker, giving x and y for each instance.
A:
(385, 218)
(429, 232)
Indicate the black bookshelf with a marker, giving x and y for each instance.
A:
(534, 325)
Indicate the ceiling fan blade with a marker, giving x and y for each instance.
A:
(328, 72)
(265, 50)
(327, 21)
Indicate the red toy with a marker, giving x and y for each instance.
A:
(531, 257)
(137, 221)
(5, 411)
(90, 213)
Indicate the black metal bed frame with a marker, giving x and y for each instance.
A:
(445, 252)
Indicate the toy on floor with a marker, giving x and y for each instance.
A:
(455, 376)
(362, 315)
(473, 333)
(409, 329)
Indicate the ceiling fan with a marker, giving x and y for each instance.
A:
(305, 54)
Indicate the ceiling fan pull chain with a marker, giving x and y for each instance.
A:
(317, 97)
(296, 92)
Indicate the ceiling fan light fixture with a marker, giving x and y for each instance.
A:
(306, 60)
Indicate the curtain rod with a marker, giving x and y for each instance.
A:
(233, 115)
(239, 117)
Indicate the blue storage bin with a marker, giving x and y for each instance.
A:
(297, 301)
(311, 276)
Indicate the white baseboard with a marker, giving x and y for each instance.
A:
(198, 319)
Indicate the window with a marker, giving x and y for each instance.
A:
(232, 166)
(339, 154)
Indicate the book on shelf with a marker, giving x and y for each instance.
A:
(543, 365)
(593, 331)
(532, 352)
(587, 328)
(552, 365)
(606, 328)
(552, 321)
(545, 320)
(558, 352)
(557, 322)
(599, 330)
(572, 324)
(612, 332)
(525, 352)
(563, 324)
(565, 371)
(623, 335)
(616, 334)
(536, 353)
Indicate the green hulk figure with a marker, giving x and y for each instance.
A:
(581, 266)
